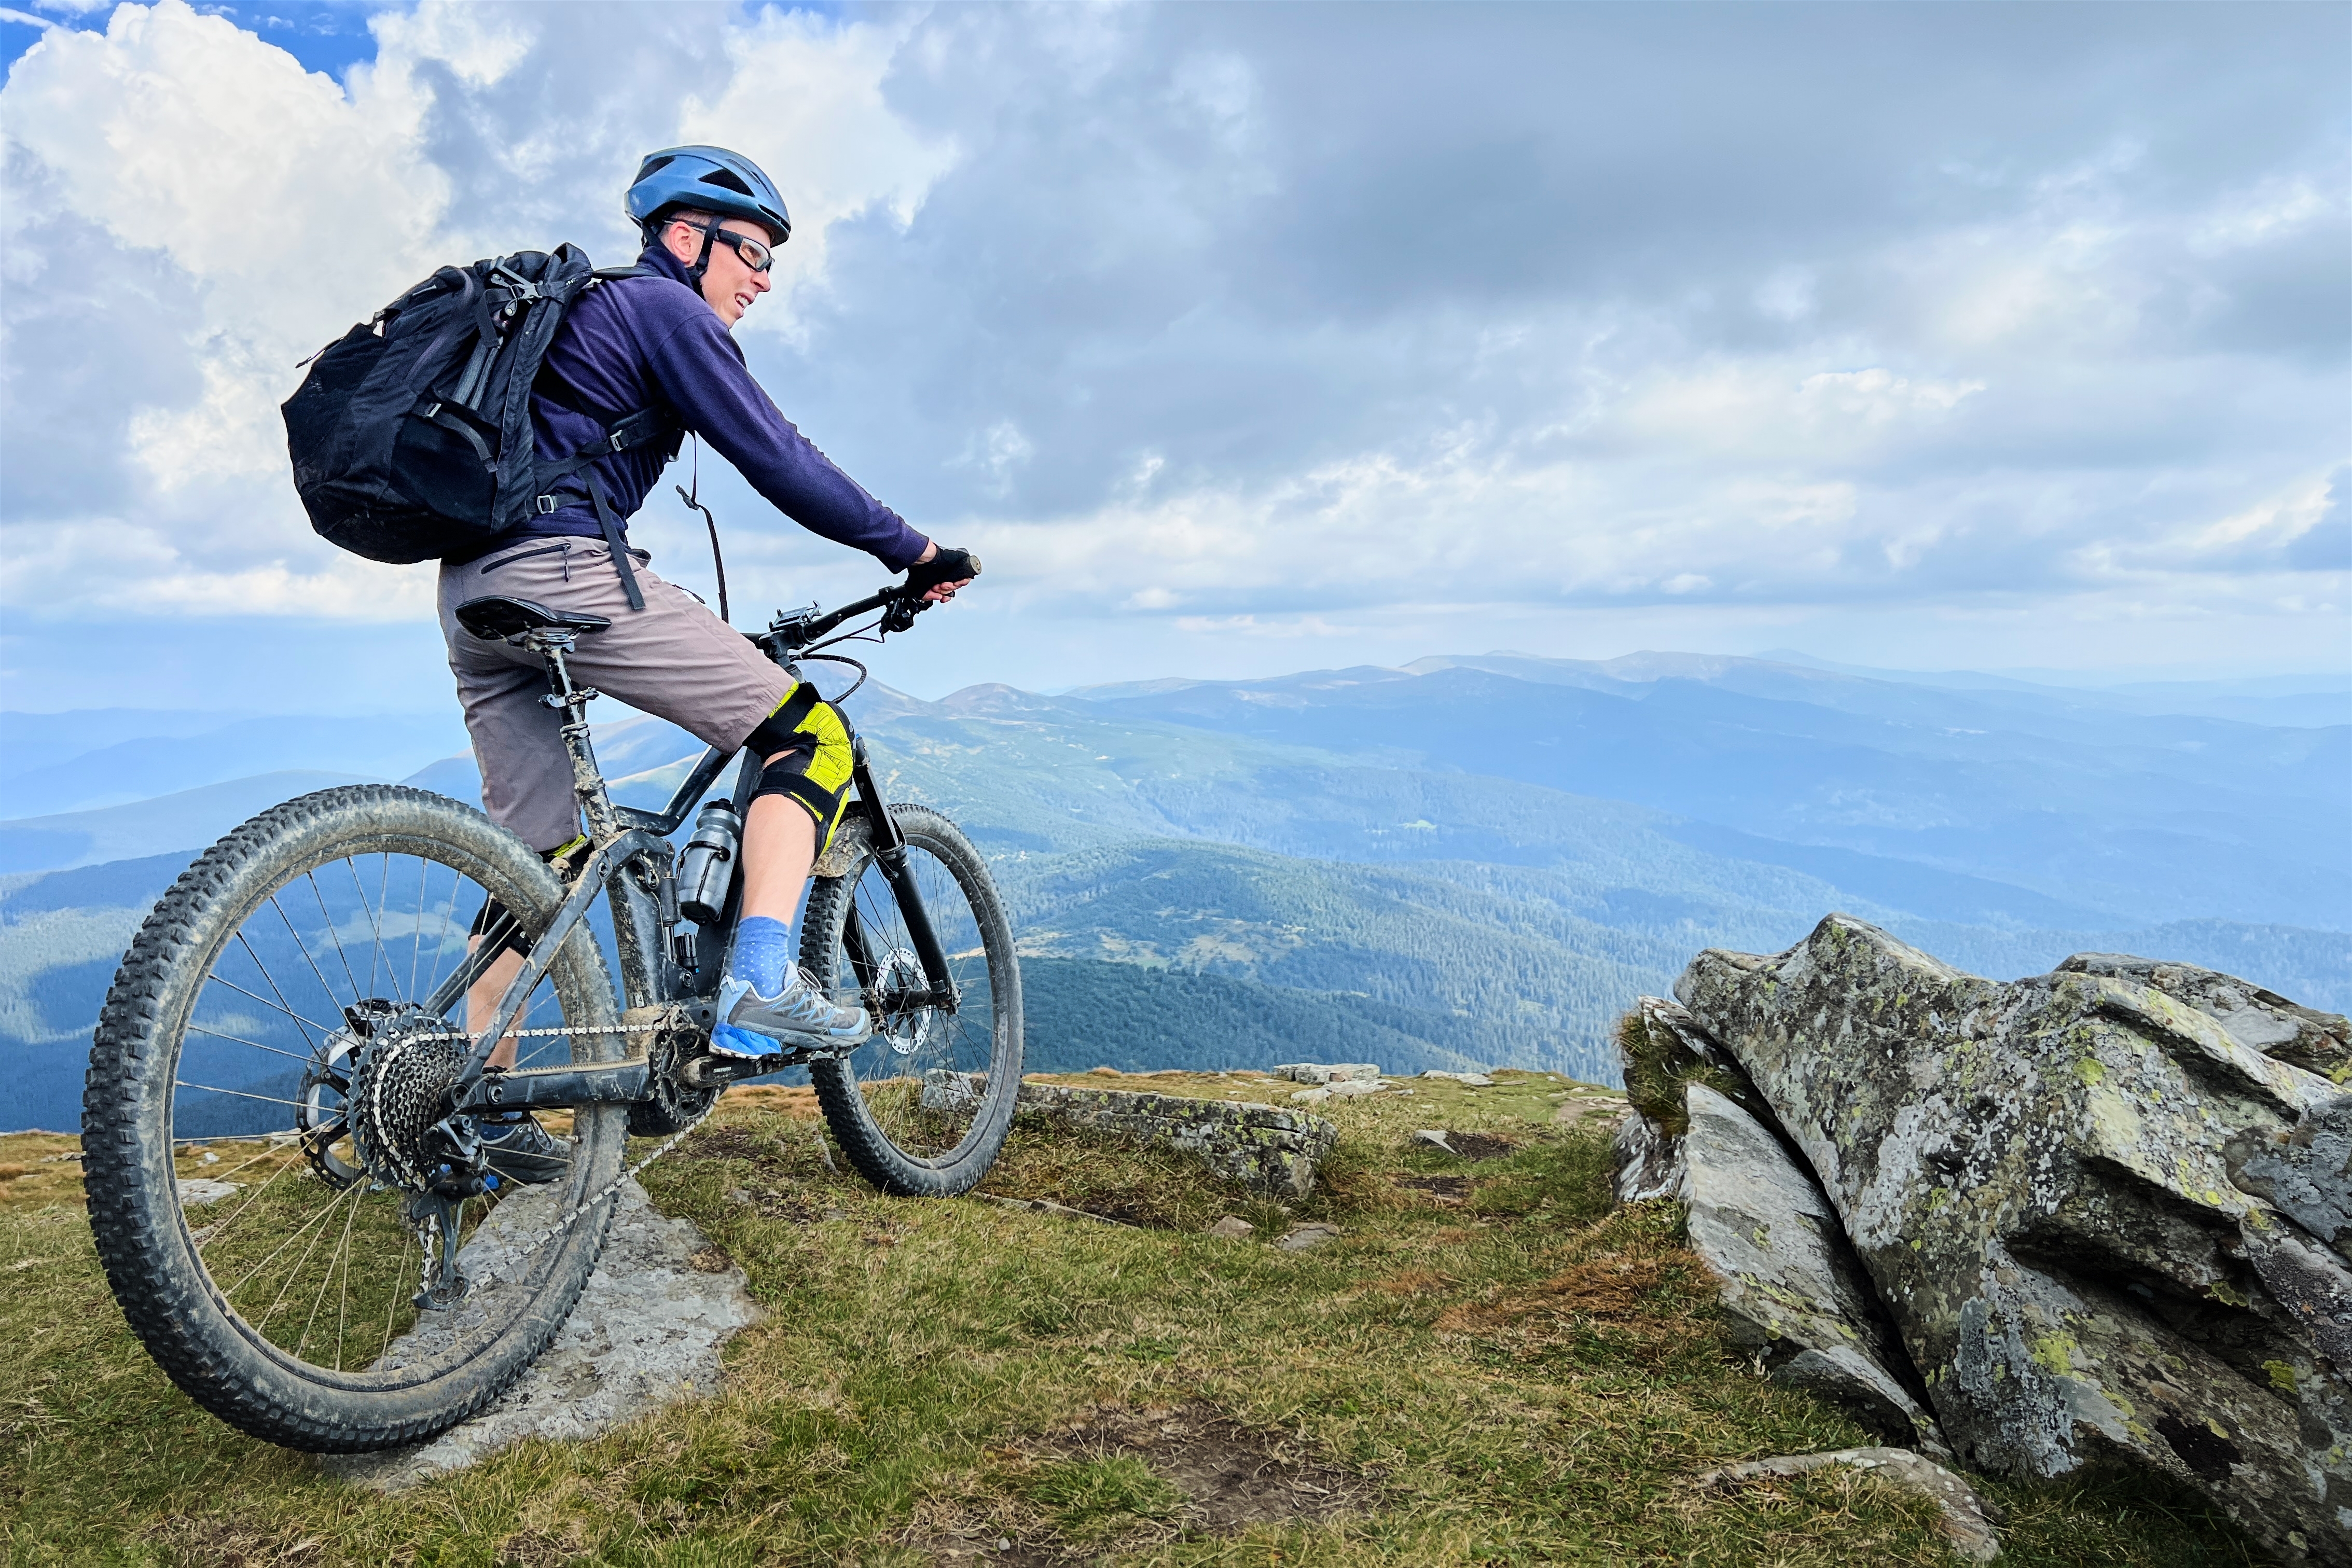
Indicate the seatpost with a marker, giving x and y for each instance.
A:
(552, 643)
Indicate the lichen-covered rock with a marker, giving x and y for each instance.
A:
(1270, 1149)
(1649, 1159)
(1318, 1072)
(2306, 1172)
(1661, 1047)
(2034, 1175)
(1792, 1292)
(2299, 1036)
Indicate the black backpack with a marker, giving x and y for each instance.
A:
(411, 436)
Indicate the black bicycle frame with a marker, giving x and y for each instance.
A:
(630, 862)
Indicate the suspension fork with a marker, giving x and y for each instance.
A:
(890, 854)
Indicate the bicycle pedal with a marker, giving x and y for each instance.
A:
(716, 1071)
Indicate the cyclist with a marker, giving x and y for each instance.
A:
(712, 220)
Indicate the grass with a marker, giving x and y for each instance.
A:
(1488, 1366)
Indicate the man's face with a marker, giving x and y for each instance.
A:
(728, 282)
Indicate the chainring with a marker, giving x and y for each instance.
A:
(672, 1105)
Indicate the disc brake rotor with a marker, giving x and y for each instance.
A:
(908, 1029)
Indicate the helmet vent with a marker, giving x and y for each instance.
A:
(654, 165)
(727, 178)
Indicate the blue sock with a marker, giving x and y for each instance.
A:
(763, 949)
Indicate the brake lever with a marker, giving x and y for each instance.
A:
(900, 615)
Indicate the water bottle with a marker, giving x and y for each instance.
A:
(707, 870)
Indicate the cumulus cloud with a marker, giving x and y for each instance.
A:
(217, 213)
(1243, 321)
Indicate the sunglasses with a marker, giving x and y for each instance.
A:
(757, 255)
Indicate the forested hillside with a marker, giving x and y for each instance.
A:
(1238, 873)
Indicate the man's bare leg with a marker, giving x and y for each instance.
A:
(482, 1001)
(764, 1005)
(779, 848)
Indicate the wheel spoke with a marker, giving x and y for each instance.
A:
(235, 1093)
(334, 936)
(283, 1006)
(240, 1040)
(303, 949)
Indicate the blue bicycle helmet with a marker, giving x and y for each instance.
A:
(712, 180)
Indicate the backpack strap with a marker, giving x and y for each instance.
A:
(623, 435)
(627, 432)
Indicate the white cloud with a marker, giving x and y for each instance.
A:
(291, 206)
(1190, 312)
(805, 97)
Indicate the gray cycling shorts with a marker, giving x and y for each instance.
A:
(673, 659)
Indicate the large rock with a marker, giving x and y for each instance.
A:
(1661, 1048)
(1265, 1147)
(1792, 1292)
(2306, 1172)
(2263, 1021)
(2036, 1177)
(646, 1333)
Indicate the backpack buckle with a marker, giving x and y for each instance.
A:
(547, 505)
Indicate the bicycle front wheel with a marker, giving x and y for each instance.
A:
(922, 1107)
(258, 1128)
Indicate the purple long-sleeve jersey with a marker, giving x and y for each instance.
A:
(639, 342)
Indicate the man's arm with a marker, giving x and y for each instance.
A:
(700, 369)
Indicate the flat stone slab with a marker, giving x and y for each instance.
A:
(1793, 1291)
(1337, 1072)
(646, 1333)
(1303, 1237)
(1270, 1149)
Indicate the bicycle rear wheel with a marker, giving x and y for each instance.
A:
(263, 1085)
(922, 1107)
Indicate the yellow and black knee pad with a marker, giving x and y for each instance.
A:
(815, 765)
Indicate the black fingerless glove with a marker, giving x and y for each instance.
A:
(947, 565)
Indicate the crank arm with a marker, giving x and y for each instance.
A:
(597, 1083)
(716, 1071)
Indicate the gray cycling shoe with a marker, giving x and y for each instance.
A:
(798, 1017)
(523, 1151)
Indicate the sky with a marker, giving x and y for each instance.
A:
(1246, 339)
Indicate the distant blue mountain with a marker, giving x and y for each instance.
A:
(2143, 817)
(1476, 860)
(182, 818)
(65, 763)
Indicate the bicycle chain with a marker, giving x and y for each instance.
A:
(557, 1029)
(610, 1188)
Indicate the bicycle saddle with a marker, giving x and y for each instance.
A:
(499, 616)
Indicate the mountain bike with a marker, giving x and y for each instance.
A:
(354, 1275)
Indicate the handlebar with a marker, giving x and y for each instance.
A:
(793, 629)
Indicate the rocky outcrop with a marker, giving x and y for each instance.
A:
(2306, 1172)
(1269, 1149)
(2077, 1199)
(2259, 1019)
(1792, 1292)
(1662, 1050)
(647, 1333)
